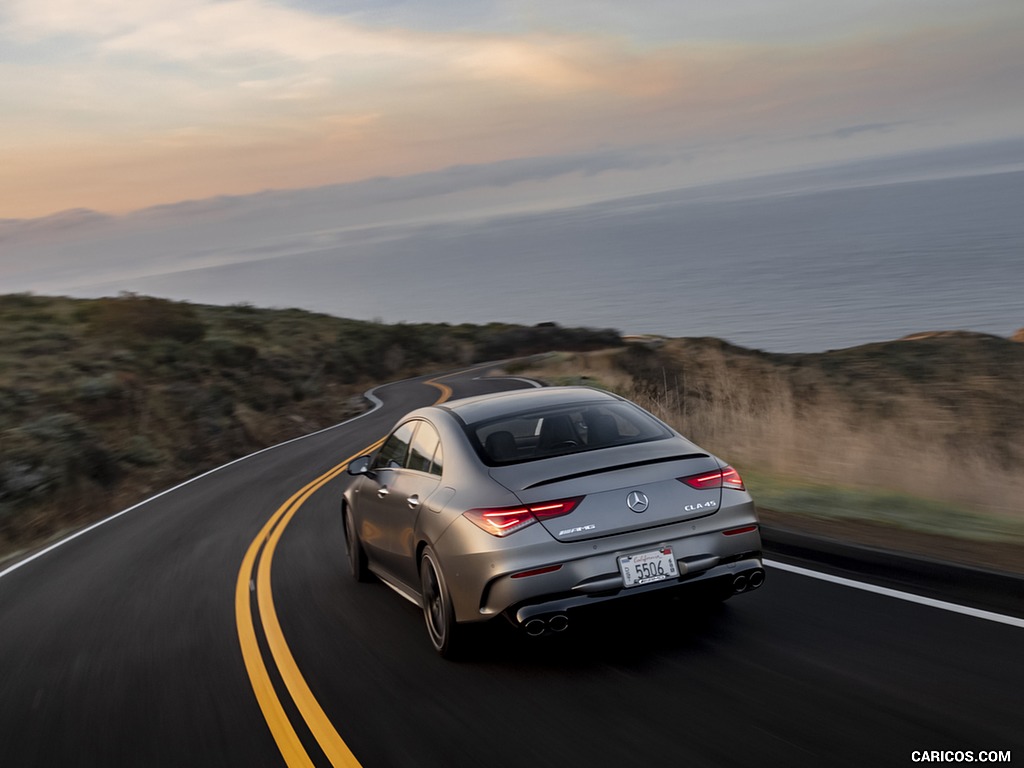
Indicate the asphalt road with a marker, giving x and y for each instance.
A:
(164, 638)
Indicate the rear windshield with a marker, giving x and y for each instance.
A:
(556, 431)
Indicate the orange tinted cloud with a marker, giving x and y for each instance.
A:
(195, 98)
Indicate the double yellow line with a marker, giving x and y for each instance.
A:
(254, 576)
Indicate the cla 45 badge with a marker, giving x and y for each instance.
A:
(703, 505)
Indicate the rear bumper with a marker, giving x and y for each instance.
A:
(610, 588)
(490, 577)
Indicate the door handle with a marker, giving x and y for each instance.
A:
(383, 492)
(414, 501)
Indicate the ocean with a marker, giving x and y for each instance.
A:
(783, 272)
(797, 268)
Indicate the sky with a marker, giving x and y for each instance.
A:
(116, 106)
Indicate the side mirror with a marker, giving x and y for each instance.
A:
(360, 466)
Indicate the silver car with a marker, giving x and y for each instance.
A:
(534, 504)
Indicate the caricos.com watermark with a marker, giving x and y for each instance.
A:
(960, 756)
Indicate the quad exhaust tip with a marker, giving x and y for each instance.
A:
(747, 581)
(535, 627)
(558, 622)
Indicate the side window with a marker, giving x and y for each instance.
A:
(424, 445)
(438, 463)
(393, 453)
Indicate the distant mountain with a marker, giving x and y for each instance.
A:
(558, 236)
(73, 218)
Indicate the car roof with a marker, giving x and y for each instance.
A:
(484, 407)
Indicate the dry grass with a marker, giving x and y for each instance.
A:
(924, 434)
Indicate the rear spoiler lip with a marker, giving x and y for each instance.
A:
(616, 467)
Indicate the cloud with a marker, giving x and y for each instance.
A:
(230, 33)
(860, 129)
(853, 130)
(463, 178)
(117, 105)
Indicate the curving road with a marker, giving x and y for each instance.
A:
(216, 625)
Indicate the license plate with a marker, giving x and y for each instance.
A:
(648, 567)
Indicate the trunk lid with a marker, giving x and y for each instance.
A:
(625, 488)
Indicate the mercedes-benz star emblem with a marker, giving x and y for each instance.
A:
(637, 501)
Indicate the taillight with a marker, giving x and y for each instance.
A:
(731, 479)
(720, 478)
(501, 521)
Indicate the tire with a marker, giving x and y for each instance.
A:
(357, 567)
(446, 635)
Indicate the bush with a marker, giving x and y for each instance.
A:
(136, 319)
(45, 455)
(105, 387)
(141, 452)
(230, 354)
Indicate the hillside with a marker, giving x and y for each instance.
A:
(915, 444)
(105, 402)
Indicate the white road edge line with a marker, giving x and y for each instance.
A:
(976, 613)
(377, 403)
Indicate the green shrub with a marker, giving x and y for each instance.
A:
(105, 387)
(50, 453)
(141, 452)
(230, 354)
(141, 318)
